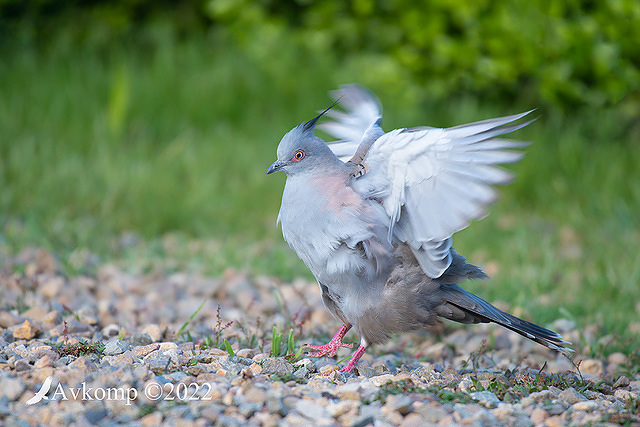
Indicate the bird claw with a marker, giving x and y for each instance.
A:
(329, 349)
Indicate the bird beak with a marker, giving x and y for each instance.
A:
(275, 167)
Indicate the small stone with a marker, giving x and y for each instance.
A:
(412, 420)
(255, 394)
(275, 405)
(621, 382)
(95, 412)
(159, 363)
(381, 380)
(154, 332)
(465, 385)
(277, 366)
(255, 369)
(367, 371)
(247, 409)
(22, 365)
(152, 419)
(247, 353)
(12, 388)
(399, 403)
(83, 364)
(538, 415)
(26, 331)
(432, 413)
(52, 318)
(349, 392)
(555, 421)
(585, 405)
(140, 339)
(328, 369)
(217, 352)
(145, 350)
(210, 414)
(196, 369)
(87, 315)
(571, 396)
(111, 330)
(116, 347)
(7, 319)
(46, 360)
(306, 363)
(166, 346)
(624, 395)
(301, 373)
(592, 367)
(485, 397)
(342, 407)
(617, 358)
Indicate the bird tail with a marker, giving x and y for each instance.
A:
(464, 307)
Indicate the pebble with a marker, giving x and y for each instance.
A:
(571, 396)
(208, 386)
(26, 331)
(116, 347)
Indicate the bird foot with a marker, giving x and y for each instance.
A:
(354, 359)
(331, 348)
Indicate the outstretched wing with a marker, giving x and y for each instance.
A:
(433, 182)
(362, 109)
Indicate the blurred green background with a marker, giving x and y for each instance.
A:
(139, 131)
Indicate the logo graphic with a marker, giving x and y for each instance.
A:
(41, 394)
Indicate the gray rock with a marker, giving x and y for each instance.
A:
(301, 373)
(22, 365)
(362, 421)
(368, 372)
(139, 339)
(159, 363)
(277, 366)
(485, 397)
(247, 409)
(116, 347)
(175, 377)
(242, 360)
(275, 404)
(4, 406)
(399, 403)
(571, 396)
(11, 387)
(95, 412)
(432, 413)
(311, 410)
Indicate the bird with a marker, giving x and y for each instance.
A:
(372, 215)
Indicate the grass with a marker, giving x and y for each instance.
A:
(152, 152)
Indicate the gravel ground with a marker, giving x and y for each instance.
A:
(136, 349)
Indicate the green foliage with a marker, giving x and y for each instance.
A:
(558, 54)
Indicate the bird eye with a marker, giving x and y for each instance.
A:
(298, 155)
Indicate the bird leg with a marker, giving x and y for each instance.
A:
(330, 348)
(354, 359)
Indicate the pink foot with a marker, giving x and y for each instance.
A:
(354, 359)
(330, 348)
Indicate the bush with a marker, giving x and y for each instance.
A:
(548, 54)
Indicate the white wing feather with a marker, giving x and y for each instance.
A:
(432, 182)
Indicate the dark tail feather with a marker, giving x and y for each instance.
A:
(464, 307)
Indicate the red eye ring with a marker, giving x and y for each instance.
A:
(298, 155)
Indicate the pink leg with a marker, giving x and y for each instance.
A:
(330, 348)
(354, 359)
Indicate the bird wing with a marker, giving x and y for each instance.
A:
(361, 110)
(432, 182)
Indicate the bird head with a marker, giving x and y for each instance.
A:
(300, 150)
